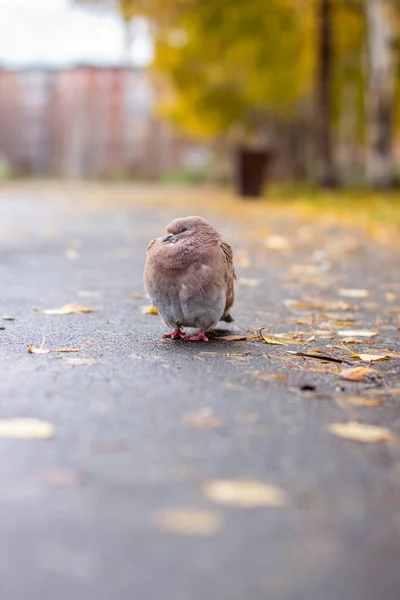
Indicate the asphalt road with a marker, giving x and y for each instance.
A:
(85, 515)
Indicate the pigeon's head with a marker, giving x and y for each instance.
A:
(185, 227)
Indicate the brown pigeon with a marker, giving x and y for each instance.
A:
(189, 276)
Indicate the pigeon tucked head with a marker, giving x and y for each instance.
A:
(185, 227)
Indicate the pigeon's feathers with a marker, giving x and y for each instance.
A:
(189, 275)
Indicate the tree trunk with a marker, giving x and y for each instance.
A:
(382, 54)
(327, 174)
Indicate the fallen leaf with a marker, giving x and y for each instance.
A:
(242, 259)
(371, 357)
(77, 362)
(317, 305)
(68, 349)
(88, 294)
(205, 418)
(273, 341)
(33, 350)
(244, 493)
(357, 333)
(267, 376)
(353, 293)
(71, 254)
(280, 243)
(387, 392)
(57, 476)
(187, 521)
(248, 282)
(359, 401)
(149, 310)
(352, 340)
(390, 296)
(26, 428)
(247, 417)
(360, 432)
(8, 318)
(67, 309)
(356, 373)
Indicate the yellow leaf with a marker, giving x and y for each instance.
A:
(149, 310)
(268, 376)
(248, 282)
(26, 429)
(244, 493)
(242, 259)
(33, 350)
(360, 432)
(371, 357)
(67, 309)
(273, 341)
(203, 419)
(359, 401)
(88, 294)
(356, 373)
(278, 243)
(8, 318)
(187, 521)
(357, 333)
(58, 476)
(353, 293)
(387, 392)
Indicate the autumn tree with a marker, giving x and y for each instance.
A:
(383, 21)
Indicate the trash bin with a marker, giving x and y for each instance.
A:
(250, 171)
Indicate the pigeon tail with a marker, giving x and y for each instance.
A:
(227, 318)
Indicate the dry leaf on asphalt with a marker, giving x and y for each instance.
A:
(267, 376)
(242, 259)
(359, 401)
(205, 418)
(245, 281)
(8, 318)
(371, 357)
(244, 493)
(187, 521)
(67, 309)
(356, 373)
(59, 476)
(26, 428)
(387, 392)
(274, 341)
(359, 432)
(279, 243)
(88, 294)
(357, 333)
(316, 305)
(353, 293)
(33, 350)
(149, 310)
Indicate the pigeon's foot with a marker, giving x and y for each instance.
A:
(174, 335)
(199, 336)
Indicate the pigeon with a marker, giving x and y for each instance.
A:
(189, 276)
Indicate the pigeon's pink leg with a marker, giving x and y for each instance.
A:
(175, 335)
(199, 336)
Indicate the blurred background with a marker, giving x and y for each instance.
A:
(230, 91)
